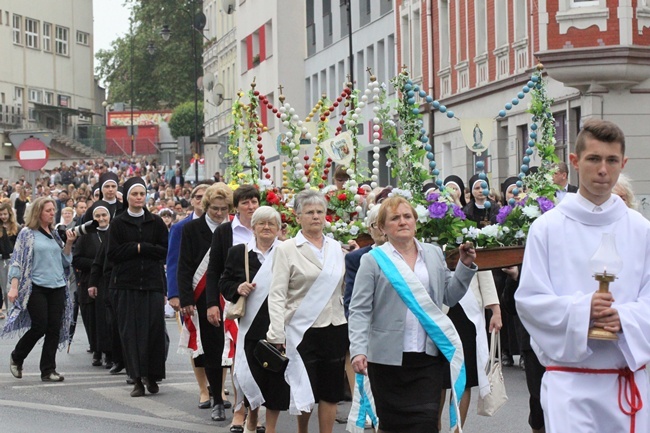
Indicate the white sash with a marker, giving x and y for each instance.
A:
(474, 313)
(319, 294)
(191, 333)
(243, 379)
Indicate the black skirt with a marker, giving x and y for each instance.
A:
(407, 397)
(141, 324)
(467, 333)
(273, 386)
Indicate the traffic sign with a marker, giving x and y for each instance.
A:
(33, 154)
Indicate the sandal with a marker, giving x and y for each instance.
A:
(260, 429)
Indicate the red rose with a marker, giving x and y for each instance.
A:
(361, 191)
(272, 198)
(328, 218)
(342, 196)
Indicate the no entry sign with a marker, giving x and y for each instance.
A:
(33, 154)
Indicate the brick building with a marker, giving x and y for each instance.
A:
(476, 55)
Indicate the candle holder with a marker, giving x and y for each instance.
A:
(603, 287)
(605, 259)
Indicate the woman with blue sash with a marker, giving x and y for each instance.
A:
(398, 334)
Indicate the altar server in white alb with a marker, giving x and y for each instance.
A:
(590, 385)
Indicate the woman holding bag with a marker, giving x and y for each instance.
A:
(247, 274)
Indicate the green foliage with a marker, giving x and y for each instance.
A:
(168, 75)
(182, 121)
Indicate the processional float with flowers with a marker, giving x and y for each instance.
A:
(411, 160)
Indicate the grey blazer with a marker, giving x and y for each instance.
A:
(377, 313)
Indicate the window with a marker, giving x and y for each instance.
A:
(47, 37)
(18, 95)
(521, 19)
(64, 101)
(17, 29)
(327, 22)
(385, 6)
(584, 3)
(49, 98)
(444, 34)
(82, 38)
(343, 14)
(61, 40)
(416, 66)
(311, 29)
(481, 25)
(31, 33)
(501, 16)
(406, 40)
(35, 95)
(364, 12)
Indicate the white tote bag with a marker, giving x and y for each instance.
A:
(491, 403)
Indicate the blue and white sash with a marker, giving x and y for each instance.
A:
(363, 406)
(243, 379)
(435, 323)
(319, 294)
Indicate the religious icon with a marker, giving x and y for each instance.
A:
(477, 133)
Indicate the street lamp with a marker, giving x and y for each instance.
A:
(197, 22)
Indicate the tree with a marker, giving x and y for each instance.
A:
(168, 74)
(182, 121)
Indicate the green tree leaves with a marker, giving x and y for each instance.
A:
(165, 78)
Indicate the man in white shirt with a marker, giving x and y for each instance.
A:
(590, 385)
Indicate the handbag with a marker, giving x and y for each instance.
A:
(491, 403)
(238, 309)
(269, 357)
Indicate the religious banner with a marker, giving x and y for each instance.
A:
(339, 148)
(477, 133)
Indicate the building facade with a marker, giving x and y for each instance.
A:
(327, 65)
(478, 54)
(47, 79)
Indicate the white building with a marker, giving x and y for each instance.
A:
(221, 81)
(327, 65)
(47, 83)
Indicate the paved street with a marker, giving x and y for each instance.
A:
(92, 400)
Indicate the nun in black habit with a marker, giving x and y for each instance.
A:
(137, 247)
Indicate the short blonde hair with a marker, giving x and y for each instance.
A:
(390, 204)
(33, 217)
(217, 190)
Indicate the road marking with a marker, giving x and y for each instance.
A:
(116, 416)
(149, 405)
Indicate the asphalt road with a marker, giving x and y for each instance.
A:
(91, 400)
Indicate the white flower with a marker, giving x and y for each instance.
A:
(490, 231)
(389, 163)
(520, 234)
(330, 235)
(354, 230)
(423, 213)
(531, 211)
(505, 229)
(329, 188)
(471, 232)
(401, 192)
(265, 183)
(459, 240)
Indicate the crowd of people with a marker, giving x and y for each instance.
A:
(129, 235)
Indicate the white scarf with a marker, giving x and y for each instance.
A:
(244, 381)
(319, 294)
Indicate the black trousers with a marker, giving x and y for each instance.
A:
(46, 308)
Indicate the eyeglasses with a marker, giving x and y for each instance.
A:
(266, 224)
(198, 197)
(373, 225)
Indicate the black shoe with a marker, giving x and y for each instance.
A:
(205, 404)
(218, 412)
(522, 364)
(129, 381)
(16, 370)
(138, 388)
(151, 385)
(227, 404)
(97, 362)
(236, 429)
(117, 368)
(507, 360)
(52, 377)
